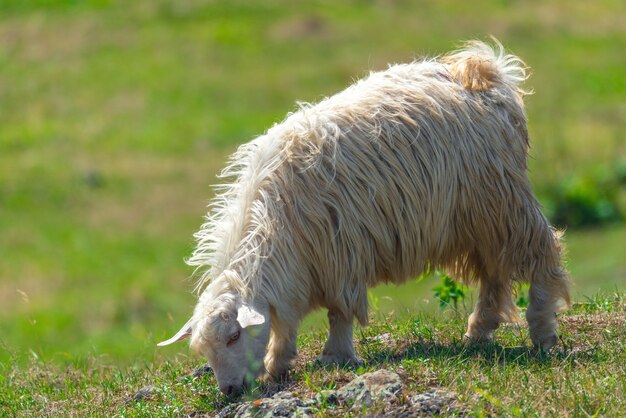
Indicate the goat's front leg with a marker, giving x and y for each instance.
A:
(282, 351)
(339, 348)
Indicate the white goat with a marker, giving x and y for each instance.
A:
(420, 165)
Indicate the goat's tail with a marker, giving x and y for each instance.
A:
(479, 67)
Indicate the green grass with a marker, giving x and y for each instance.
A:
(116, 116)
(584, 376)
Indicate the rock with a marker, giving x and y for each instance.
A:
(143, 394)
(367, 389)
(433, 402)
(381, 390)
(385, 338)
(282, 404)
(205, 369)
(93, 179)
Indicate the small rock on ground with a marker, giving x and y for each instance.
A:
(385, 338)
(143, 394)
(205, 369)
(433, 402)
(282, 404)
(367, 389)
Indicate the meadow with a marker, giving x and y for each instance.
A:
(116, 117)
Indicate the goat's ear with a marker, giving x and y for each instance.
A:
(184, 332)
(247, 316)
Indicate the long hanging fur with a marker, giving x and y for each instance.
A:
(422, 164)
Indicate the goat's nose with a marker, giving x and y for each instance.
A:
(231, 390)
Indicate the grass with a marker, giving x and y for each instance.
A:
(116, 116)
(584, 376)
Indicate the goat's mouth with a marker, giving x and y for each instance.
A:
(234, 391)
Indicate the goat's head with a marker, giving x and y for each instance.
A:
(231, 334)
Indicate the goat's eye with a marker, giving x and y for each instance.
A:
(233, 339)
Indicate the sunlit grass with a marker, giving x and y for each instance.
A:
(583, 376)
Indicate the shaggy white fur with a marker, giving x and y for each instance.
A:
(423, 164)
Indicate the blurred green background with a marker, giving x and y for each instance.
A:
(115, 117)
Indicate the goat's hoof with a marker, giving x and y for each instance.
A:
(478, 338)
(277, 376)
(546, 343)
(341, 360)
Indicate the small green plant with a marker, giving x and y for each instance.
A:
(449, 290)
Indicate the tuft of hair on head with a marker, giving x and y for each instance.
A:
(479, 67)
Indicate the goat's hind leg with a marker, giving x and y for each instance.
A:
(549, 288)
(546, 294)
